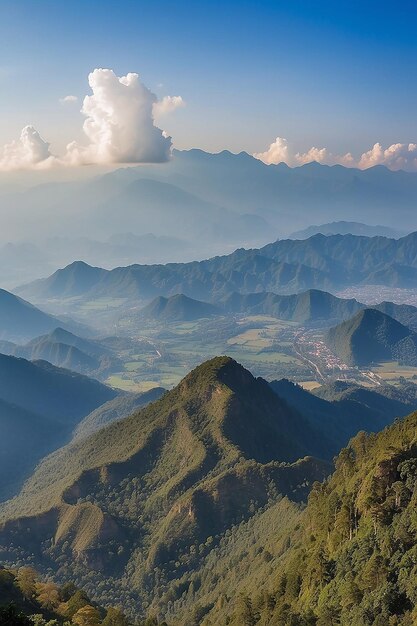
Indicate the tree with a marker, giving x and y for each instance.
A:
(67, 591)
(401, 493)
(47, 595)
(26, 581)
(87, 616)
(244, 612)
(374, 572)
(76, 602)
(115, 617)
(39, 620)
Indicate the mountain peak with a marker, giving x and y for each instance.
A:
(220, 369)
(178, 307)
(373, 336)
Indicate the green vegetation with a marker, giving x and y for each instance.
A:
(310, 306)
(144, 500)
(177, 308)
(352, 558)
(113, 410)
(284, 267)
(372, 336)
(168, 351)
(192, 509)
(27, 600)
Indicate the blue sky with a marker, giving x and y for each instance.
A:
(334, 74)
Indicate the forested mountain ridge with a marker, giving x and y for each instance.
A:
(351, 561)
(286, 266)
(189, 509)
(309, 306)
(372, 336)
(204, 457)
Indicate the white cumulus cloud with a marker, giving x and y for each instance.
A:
(119, 127)
(30, 151)
(68, 99)
(397, 156)
(277, 152)
(168, 104)
(119, 123)
(280, 151)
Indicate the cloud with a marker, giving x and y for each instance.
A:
(30, 151)
(276, 153)
(320, 155)
(167, 105)
(281, 152)
(119, 123)
(119, 127)
(397, 156)
(68, 100)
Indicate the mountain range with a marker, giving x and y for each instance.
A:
(309, 307)
(347, 228)
(239, 183)
(194, 206)
(187, 467)
(284, 267)
(164, 498)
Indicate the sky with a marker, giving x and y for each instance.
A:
(283, 80)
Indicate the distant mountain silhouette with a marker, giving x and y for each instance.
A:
(284, 267)
(345, 228)
(20, 320)
(40, 405)
(309, 306)
(64, 349)
(178, 308)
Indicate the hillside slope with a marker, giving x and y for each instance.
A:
(178, 308)
(39, 406)
(372, 336)
(21, 321)
(309, 306)
(342, 409)
(284, 267)
(179, 472)
(122, 406)
(351, 561)
(64, 349)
